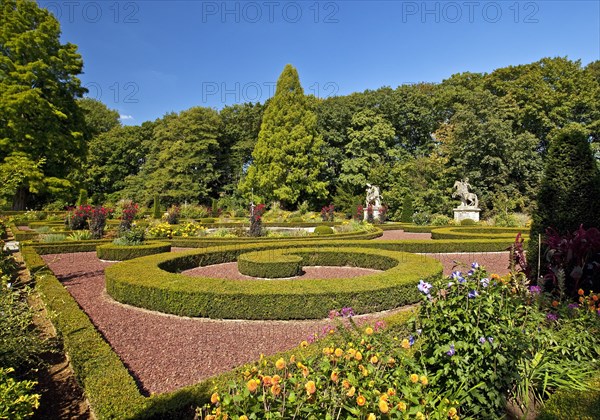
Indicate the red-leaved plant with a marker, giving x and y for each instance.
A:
(256, 220)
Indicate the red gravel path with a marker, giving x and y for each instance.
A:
(166, 352)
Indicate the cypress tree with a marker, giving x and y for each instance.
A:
(287, 158)
(83, 197)
(569, 191)
(156, 209)
(407, 209)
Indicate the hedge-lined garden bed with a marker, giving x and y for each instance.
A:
(267, 264)
(161, 289)
(112, 252)
(477, 232)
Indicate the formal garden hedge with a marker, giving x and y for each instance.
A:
(477, 232)
(162, 289)
(64, 247)
(112, 252)
(267, 264)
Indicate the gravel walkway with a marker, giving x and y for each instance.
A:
(166, 352)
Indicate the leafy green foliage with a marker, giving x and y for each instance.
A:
(407, 210)
(323, 230)
(98, 117)
(287, 161)
(156, 208)
(17, 400)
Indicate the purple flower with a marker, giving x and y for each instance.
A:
(470, 272)
(333, 314)
(451, 352)
(491, 339)
(379, 325)
(347, 312)
(424, 287)
(474, 265)
(457, 275)
(573, 306)
(482, 340)
(473, 294)
(535, 290)
(485, 282)
(411, 340)
(552, 317)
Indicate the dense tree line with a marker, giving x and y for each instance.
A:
(413, 140)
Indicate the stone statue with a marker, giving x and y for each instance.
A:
(467, 198)
(373, 196)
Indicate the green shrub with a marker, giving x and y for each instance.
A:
(136, 235)
(421, 218)
(79, 235)
(296, 219)
(156, 213)
(43, 229)
(208, 220)
(83, 198)
(52, 237)
(192, 211)
(407, 209)
(569, 191)
(117, 252)
(323, 230)
(17, 398)
(473, 232)
(440, 220)
(268, 299)
(468, 222)
(267, 264)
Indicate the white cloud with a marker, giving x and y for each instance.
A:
(126, 117)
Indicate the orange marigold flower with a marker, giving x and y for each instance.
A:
(351, 392)
(214, 398)
(580, 292)
(581, 299)
(452, 412)
(346, 384)
(555, 303)
(276, 389)
(252, 385)
(383, 406)
(360, 400)
(310, 387)
(304, 344)
(280, 364)
(371, 416)
(292, 359)
(276, 379)
(305, 371)
(595, 298)
(495, 276)
(374, 360)
(369, 331)
(267, 381)
(335, 376)
(424, 380)
(339, 352)
(414, 378)
(358, 356)
(405, 344)
(391, 392)
(401, 406)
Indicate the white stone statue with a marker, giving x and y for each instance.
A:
(467, 198)
(373, 196)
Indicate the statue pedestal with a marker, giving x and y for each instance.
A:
(462, 213)
(375, 214)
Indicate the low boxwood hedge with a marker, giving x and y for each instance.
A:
(267, 264)
(161, 289)
(65, 246)
(112, 252)
(477, 232)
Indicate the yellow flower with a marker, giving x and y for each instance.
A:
(346, 384)
(351, 392)
(304, 344)
(414, 378)
(369, 331)
(424, 380)
(371, 416)
(419, 416)
(280, 364)
(452, 412)
(383, 406)
(252, 385)
(310, 387)
(339, 352)
(360, 400)
(276, 389)
(243, 417)
(214, 398)
(405, 344)
(401, 406)
(335, 376)
(276, 379)
(292, 359)
(374, 360)
(391, 392)
(358, 356)
(391, 361)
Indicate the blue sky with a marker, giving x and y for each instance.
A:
(147, 58)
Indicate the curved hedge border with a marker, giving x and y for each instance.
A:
(210, 242)
(112, 252)
(162, 290)
(477, 232)
(266, 264)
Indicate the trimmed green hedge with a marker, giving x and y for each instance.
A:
(112, 252)
(161, 289)
(269, 264)
(66, 246)
(477, 232)
(573, 404)
(210, 242)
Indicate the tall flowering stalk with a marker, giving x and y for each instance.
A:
(382, 214)
(370, 210)
(327, 213)
(360, 213)
(256, 213)
(130, 209)
(78, 217)
(97, 221)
